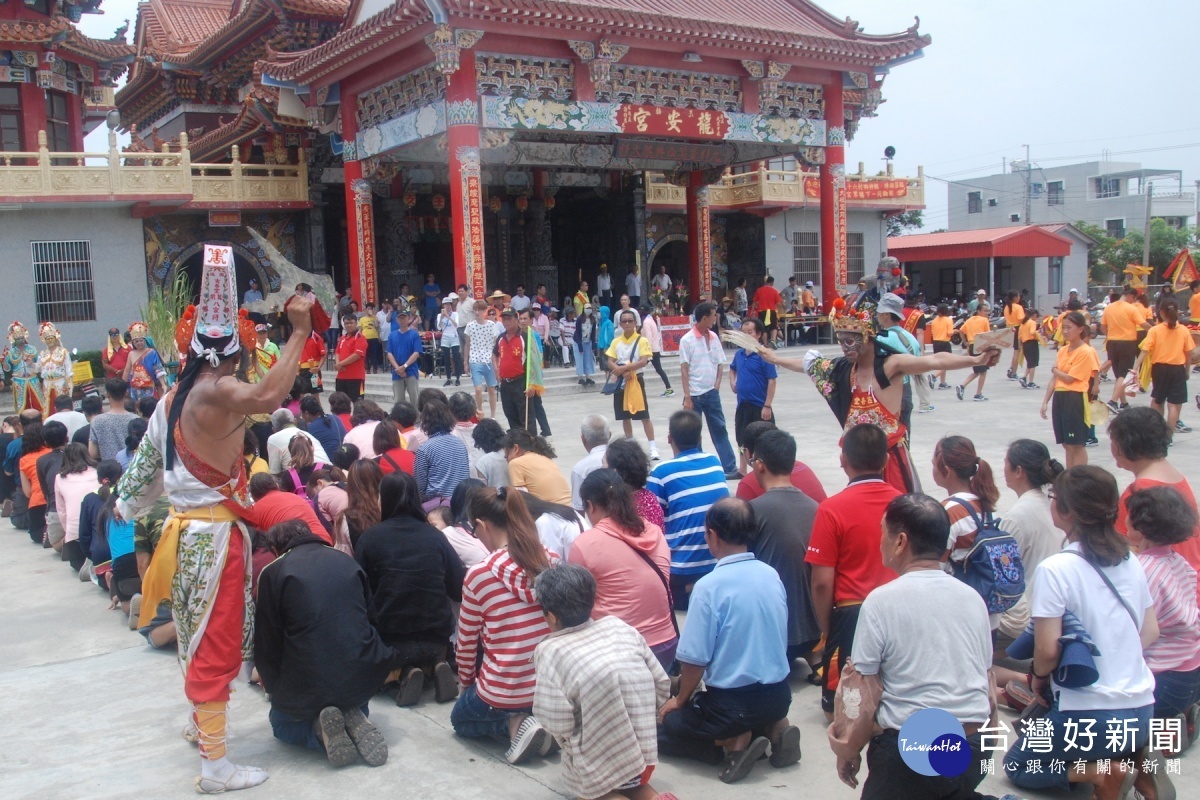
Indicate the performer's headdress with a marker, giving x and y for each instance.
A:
(17, 331)
(47, 331)
(860, 319)
(139, 330)
(212, 331)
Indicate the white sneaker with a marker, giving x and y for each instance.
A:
(530, 739)
(654, 454)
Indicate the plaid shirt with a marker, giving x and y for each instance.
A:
(598, 691)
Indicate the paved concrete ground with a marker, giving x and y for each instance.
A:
(88, 710)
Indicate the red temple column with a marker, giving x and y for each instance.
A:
(699, 239)
(360, 217)
(833, 195)
(466, 190)
(33, 114)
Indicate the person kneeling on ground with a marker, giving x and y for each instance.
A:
(598, 688)
(735, 637)
(923, 641)
(319, 657)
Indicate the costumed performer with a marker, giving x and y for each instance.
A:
(193, 451)
(54, 366)
(862, 386)
(144, 371)
(20, 362)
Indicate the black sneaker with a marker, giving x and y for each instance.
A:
(1113, 406)
(1181, 427)
(1023, 385)
(979, 398)
(1092, 442)
(1012, 376)
(960, 391)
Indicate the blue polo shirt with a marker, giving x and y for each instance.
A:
(402, 344)
(753, 375)
(687, 486)
(736, 625)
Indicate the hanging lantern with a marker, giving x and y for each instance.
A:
(522, 203)
(494, 204)
(439, 202)
(410, 199)
(549, 202)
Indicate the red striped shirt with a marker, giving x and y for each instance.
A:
(500, 615)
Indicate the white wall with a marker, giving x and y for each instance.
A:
(118, 267)
(779, 228)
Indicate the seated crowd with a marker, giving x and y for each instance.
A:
(425, 545)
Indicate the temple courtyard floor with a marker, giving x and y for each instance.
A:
(89, 710)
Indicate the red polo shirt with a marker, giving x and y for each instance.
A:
(767, 298)
(845, 536)
(510, 352)
(281, 506)
(352, 344)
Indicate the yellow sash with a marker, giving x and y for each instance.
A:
(156, 585)
(635, 400)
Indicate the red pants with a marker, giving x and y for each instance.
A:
(218, 658)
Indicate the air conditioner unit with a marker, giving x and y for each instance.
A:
(1014, 217)
(993, 202)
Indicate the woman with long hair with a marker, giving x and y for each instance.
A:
(326, 488)
(630, 560)
(76, 479)
(1097, 581)
(33, 447)
(499, 626)
(1029, 471)
(393, 455)
(254, 462)
(367, 414)
(456, 527)
(362, 507)
(558, 525)
(91, 540)
(304, 461)
(414, 576)
(442, 461)
(973, 494)
(530, 467)
(633, 465)
(1070, 386)
(1171, 351)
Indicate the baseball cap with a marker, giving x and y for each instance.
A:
(403, 312)
(538, 306)
(450, 298)
(260, 328)
(982, 292)
(890, 304)
(1074, 291)
(808, 284)
(508, 312)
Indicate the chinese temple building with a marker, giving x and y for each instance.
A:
(492, 142)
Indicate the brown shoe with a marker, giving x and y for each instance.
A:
(412, 681)
(1153, 784)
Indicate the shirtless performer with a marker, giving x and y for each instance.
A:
(862, 386)
(193, 451)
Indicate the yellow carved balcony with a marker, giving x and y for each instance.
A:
(780, 188)
(165, 179)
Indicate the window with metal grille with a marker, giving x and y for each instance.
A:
(1108, 187)
(1054, 274)
(62, 281)
(856, 257)
(974, 202)
(1054, 193)
(58, 125)
(1115, 228)
(10, 118)
(806, 256)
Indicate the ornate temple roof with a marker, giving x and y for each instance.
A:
(61, 30)
(785, 27)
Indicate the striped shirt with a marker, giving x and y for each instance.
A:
(703, 358)
(1173, 586)
(687, 486)
(598, 691)
(962, 527)
(442, 463)
(500, 614)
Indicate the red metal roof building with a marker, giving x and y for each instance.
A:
(506, 140)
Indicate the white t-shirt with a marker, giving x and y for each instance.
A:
(926, 635)
(661, 282)
(72, 419)
(520, 302)
(1065, 582)
(633, 285)
(703, 358)
(557, 534)
(483, 341)
(604, 283)
(1030, 523)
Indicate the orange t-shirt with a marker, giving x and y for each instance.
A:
(1029, 330)
(940, 328)
(1122, 320)
(1080, 363)
(1014, 315)
(1194, 307)
(974, 326)
(1168, 345)
(28, 467)
(1147, 312)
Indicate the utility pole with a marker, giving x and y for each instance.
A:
(1028, 186)
(1148, 188)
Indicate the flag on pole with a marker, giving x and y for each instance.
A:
(1182, 271)
(533, 362)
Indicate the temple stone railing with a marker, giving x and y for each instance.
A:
(162, 177)
(775, 187)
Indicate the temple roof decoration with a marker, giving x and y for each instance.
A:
(60, 32)
(204, 51)
(792, 28)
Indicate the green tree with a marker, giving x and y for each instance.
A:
(905, 221)
(1109, 257)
